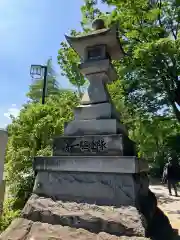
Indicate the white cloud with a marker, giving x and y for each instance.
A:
(13, 110)
(13, 105)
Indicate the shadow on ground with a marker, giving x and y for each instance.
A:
(170, 205)
(155, 181)
(174, 212)
(165, 200)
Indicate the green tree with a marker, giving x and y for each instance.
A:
(69, 62)
(147, 92)
(36, 88)
(149, 34)
(30, 134)
(151, 135)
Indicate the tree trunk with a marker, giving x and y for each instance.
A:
(176, 111)
(171, 98)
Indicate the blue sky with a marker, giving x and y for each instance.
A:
(31, 31)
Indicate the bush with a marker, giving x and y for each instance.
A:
(30, 134)
(8, 214)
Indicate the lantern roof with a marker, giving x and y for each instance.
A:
(99, 36)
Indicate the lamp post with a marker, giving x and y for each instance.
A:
(37, 72)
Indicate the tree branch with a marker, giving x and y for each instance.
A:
(171, 98)
(159, 15)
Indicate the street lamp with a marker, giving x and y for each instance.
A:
(39, 72)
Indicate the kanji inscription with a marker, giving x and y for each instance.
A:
(87, 146)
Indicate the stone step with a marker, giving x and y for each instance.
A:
(94, 127)
(91, 164)
(96, 111)
(112, 144)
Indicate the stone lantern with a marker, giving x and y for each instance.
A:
(95, 161)
(97, 115)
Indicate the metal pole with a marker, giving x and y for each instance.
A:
(44, 85)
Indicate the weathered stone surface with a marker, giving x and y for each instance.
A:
(18, 230)
(91, 164)
(3, 143)
(44, 219)
(93, 127)
(112, 144)
(99, 188)
(2, 194)
(116, 221)
(23, 229)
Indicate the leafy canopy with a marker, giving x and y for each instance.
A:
(149, 34)
(147, 92)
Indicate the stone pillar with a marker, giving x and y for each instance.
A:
(97, 91)
(96, 114)
(3, 144)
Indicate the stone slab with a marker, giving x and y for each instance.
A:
(94, 127)
(96, 164)
(93, 188)
(113, 145)
(88, 145)
(94, 218)
(3, 144)
(103, 68)
(96, 111)
(2, 195)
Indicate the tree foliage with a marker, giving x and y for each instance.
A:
(149, 34)
(70, 69)
(148, 90)
(30, 134)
